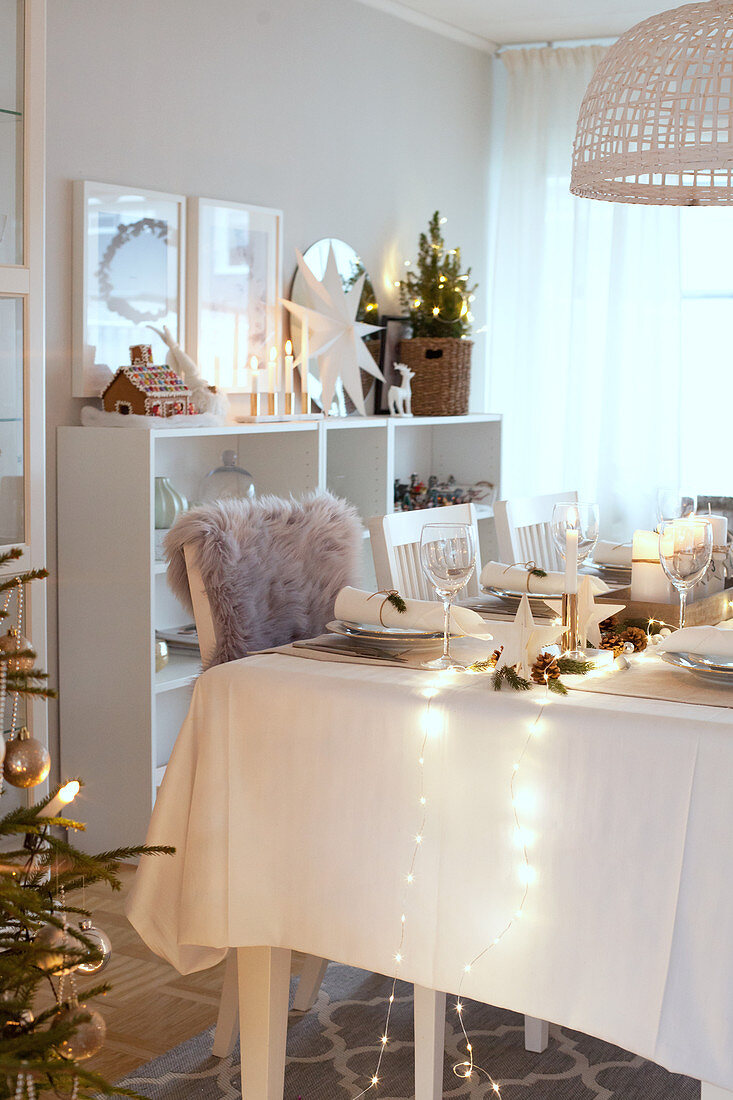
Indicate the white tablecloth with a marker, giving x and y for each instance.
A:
(292, 798)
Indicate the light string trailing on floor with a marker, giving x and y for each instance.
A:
(428, 726)
(468, 1068)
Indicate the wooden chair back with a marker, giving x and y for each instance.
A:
(523, 529)
(201, 607)
(395, 543)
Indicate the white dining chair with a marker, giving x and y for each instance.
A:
(523, 529)
(395, 543)
(227, 1024)
(396, 550)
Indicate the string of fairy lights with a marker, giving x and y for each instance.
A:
(467, 1068)
(441, 314)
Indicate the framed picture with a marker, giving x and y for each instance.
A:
(394, 329)
(235, 281)
(129, 251)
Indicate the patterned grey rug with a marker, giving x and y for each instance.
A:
(332, 1053)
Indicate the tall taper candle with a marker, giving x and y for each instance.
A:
(254, 379)
(571, 560)
(271, 382)
(288, 376)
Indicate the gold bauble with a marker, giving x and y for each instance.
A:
(89, 1035)
(27, 761)
(9, 643)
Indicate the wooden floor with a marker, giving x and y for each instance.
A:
(151, 1007)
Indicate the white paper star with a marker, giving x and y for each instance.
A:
(590, 613)
(337, 335)
(524, 638)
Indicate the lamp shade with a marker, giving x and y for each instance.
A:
(656, 122)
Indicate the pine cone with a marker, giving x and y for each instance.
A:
(495, 657)
(545, 668)
(614, 642)
(609, 625)
(636, 636)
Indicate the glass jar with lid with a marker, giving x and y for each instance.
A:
(228, 481)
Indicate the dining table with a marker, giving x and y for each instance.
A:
(562, 856)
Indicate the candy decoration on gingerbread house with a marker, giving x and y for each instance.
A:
(146, 389)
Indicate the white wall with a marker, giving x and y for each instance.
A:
(354, 123)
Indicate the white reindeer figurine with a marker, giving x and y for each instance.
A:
(399, 398)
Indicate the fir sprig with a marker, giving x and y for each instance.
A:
(535, 572)
(509, 674)
(397, 602)
(569, 666)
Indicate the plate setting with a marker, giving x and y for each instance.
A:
(389, 634)
(714, 668)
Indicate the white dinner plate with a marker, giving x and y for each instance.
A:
(512, 594)
(369, 632)
(611, 574)
(714, 667)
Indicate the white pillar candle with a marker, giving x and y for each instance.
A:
(649, 582)
(571, 560)
(719, 525)
(715, 578)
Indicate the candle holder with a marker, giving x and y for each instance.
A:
(570, 626)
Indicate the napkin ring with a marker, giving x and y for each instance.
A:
(530, 566)
(391, 595)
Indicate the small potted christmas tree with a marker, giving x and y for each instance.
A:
(437, 297)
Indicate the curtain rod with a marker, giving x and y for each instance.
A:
(556, 44)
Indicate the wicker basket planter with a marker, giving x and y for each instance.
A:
(442, 366)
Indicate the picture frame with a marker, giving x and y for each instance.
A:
(129, 259)
(394, 329)
(235, 286)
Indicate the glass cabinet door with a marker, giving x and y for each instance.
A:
(12, 495)
(11, 131)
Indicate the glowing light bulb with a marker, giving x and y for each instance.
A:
(384, 1040)
(418, 839)
(417, 302)
(467, 968)
(391, 998)
(421, 760)
(469, 1047)
(62, 798)
(397, 282)
(375, 1080)
(423, 799)
(398, 957)
(411, 877)
(408, 263)
(443, 221)
(436, 311)
(459, 1006)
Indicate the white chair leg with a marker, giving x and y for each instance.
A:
(309, 983)
(264, 989)
(429, 1009)
(714, 1092)
(536, 1034)
(225, 1035)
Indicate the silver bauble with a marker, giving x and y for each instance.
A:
(101, 941)
(27, 761)
(665, 631)
(57, 941)
(628, 647)
(9, 643)
(89, 1035)
(656, 639)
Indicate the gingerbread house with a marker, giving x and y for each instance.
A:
(146, 389)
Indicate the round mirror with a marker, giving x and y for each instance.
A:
(350, 268)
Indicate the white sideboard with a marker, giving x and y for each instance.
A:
(119, 718)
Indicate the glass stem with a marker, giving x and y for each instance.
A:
(446, 625)
(683, 606)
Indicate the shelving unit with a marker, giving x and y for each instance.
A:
(119, 717)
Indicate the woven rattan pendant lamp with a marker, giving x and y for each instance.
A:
(656, 123)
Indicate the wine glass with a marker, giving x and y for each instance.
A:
(685, 551)
(580, 516)
(448, 558)
(675, 503)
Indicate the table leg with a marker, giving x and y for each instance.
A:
(536, 1034)
(309, 983)
(264, 988)
(225, 1035)
(429, 1009)
(714, 1092)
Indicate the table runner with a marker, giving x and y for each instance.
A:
(649, 677)
(291, 797)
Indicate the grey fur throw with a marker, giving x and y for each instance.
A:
(272, 568)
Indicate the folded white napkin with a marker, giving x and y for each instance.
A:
(355, 606)
(612, 553)
(708, 641)
(515, 578)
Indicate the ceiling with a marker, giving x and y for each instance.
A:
(487, 23)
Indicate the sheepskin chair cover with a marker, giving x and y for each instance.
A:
(272, 568)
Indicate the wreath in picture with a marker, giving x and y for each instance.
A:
(125, 234)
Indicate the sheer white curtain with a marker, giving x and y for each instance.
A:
(584, 311)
